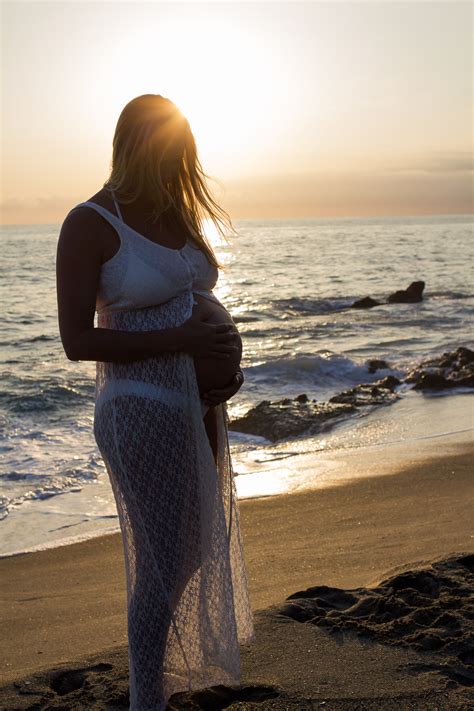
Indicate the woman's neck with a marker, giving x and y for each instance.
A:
(141, 205)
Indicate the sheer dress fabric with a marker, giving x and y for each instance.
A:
(188, 606)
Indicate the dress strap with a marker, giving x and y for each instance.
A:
(116, 205)
(106, 214)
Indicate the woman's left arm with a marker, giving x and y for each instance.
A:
(215, 397)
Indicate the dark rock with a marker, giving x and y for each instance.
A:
(378, 393)
(390, 382)
(366, 303)
(433, 381)
(411, 295)
(374, 364)
(465, 381)
(302, 398)
(292, 417)
(289, 418)
(456, 359)
(450, 370)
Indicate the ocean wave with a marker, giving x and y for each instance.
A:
(67, 540)
(450, 371)
(71, 480)
(455, 295)
(326, 369)
(306, 307)
(246, 318)
(34, 339)
(24, 321)
(309, 306)
(43, 394)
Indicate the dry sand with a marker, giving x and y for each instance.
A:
(402, 645)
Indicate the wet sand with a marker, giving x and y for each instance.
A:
(364, 645)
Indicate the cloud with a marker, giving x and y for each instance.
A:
(42, 210)
(351, 194)
(434, 162)
(434, 183)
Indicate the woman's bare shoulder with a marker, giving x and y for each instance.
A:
(80, 222)
(85, 227)
(83, 216)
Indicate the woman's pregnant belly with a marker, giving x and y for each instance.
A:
(216, 372)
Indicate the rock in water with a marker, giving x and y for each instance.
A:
(366, 303)
(375, 364)
(292, 417)
(378, 393)
(450, 370)
(411, 295)
(288, 418)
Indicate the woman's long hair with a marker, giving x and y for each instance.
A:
(155, 159)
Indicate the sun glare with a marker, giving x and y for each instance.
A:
(218, 75)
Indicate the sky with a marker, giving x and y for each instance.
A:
(299, 110)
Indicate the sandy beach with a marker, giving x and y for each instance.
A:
(351, 642)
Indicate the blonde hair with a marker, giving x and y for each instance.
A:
(152, 132)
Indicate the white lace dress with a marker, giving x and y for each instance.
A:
(187, 591)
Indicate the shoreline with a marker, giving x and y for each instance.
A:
(346, 536)
(392, 437)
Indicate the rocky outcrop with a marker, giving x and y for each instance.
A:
(365, 303)
(379, 393)
(449, 370)
(291, 417)
(411, 295)
(375, 364)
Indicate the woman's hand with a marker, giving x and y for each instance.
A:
(215, 397)
(206, 340)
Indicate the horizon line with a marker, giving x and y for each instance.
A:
(285, 219)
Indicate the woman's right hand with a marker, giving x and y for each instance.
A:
(206, 340)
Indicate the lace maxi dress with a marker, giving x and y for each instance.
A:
(188, 606)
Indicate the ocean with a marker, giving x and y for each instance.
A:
(288, 285)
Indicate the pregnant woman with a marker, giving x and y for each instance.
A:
(167, 359)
